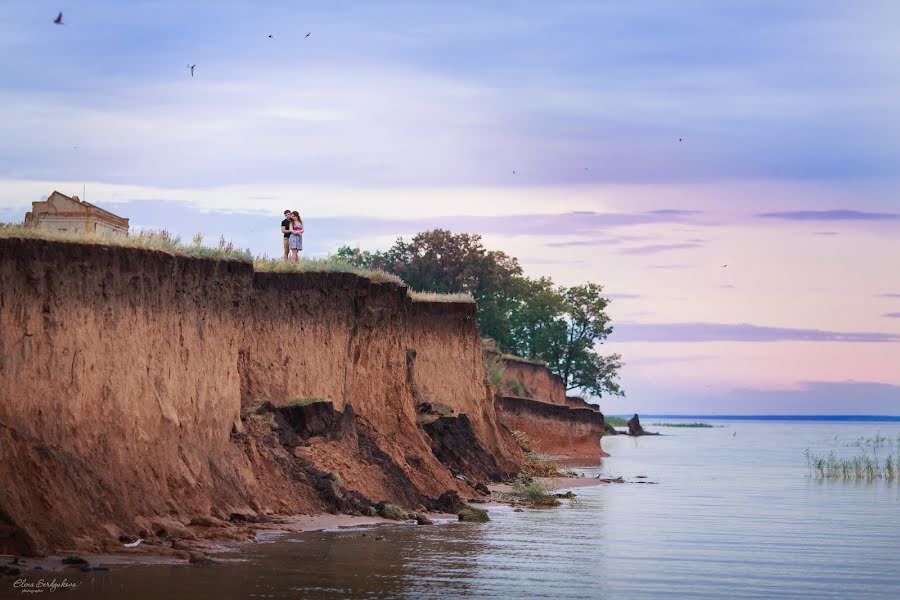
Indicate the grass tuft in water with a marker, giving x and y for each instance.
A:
(863, 466)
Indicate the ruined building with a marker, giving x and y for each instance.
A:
(64, 214)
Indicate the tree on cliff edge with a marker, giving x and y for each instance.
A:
(444, 262)
(563, 326)
(527, 317)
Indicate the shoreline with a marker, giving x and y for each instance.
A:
(213, 549)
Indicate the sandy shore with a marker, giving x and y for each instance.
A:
(181, 552)
(184, 551)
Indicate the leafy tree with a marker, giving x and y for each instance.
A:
(562, 327)
(444, 262)
(528, 317)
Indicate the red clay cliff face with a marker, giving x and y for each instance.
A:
(142, 390)
(554, 429)
(555, 423)
(536, 380)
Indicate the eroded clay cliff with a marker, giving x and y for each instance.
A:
(143, 392)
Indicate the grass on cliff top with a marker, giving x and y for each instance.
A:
(322, 265)
(161, 240)
(435, 297)
(616, 421)
(331, 265)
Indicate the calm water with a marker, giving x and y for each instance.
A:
(734, 515)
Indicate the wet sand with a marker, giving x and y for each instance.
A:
(181, 551)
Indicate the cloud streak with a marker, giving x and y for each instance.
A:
(830, 215)
(657, 248)
(739, 332)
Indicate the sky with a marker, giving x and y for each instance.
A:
(641, 145)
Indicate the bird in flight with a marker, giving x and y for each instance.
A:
(271, 36)
(679, 139)
(723, 266)
(514, 171)
(191, 67)
(58, 19)
(307, 35)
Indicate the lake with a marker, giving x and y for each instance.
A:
(732, 512)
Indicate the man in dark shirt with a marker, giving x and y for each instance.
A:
(286, 230)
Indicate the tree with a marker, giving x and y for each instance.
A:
(444, 262)
(528, 317)
(562, 327)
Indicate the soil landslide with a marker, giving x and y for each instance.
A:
(554, 422)
(173, 398)
(554, 429)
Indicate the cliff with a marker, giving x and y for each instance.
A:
(554, 429)
(534, 380)
(143, 392)
(555, 423)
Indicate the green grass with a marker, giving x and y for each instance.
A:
(392, 511)
(530, 489)
(494, 369)
(165, 241)
(877, 442)
(616, 421)
(435, 297)
(161, 240)
(696, 424)
(539, 464)
(473, 515)
(322, 265)
(863, 466)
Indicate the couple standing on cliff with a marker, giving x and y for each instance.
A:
(292, 228)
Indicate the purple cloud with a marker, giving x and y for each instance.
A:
(887, 295)
(739, 332)
(579, 243)
(830, 215)
(829, 233)
(667, 267)
(893, 315)
(656, 248)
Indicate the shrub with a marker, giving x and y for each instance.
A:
(539, 464)
(493, 366)
(392, 511)
(523, 440)
(473, 515)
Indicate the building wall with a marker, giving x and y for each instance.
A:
(59, 213)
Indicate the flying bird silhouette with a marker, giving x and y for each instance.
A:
(307, 35)
(191, 67)
(723, 266)
(514, 171)
(271, 36)
(58, 19)
(679, 139)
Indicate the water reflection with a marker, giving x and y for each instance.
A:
(731, 516)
